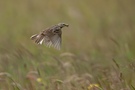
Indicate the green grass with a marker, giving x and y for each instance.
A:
(98, 48)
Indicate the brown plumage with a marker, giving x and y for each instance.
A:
(50, 36)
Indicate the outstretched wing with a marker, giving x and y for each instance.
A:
(47, 41)
(56, 41)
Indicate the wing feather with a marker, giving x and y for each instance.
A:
(56, 41)
(47, 41)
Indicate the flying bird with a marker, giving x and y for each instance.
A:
(50, 36)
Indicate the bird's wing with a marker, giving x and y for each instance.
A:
(47, 41)
(56, 41)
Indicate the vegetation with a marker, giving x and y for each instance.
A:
(98, 48)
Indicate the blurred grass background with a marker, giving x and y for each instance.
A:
(97, 48)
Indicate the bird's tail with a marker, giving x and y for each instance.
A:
(38, 38)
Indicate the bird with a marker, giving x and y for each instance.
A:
(51, 37)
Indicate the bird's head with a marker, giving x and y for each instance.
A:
(61, 25)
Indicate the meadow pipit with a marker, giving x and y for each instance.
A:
(50, 36)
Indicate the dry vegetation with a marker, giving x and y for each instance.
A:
(97, 52)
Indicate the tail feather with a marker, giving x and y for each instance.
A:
(33, 37)
(37, 38)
